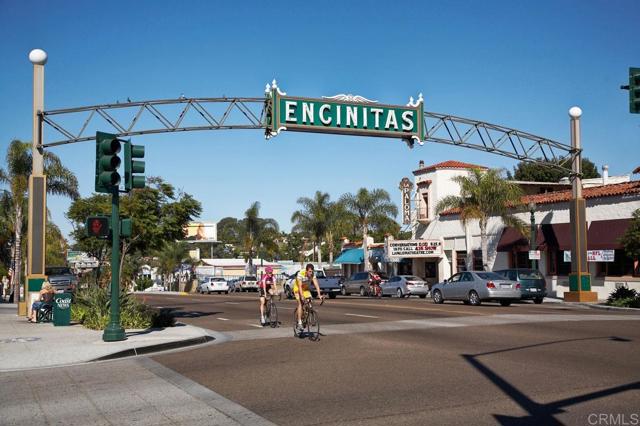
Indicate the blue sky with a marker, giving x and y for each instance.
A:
(517, 64)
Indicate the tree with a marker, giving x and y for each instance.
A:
(313, 219)
(536, 172)
(631, 239)
(256, 232)
(56, 245)
(369, 207)
(60, 181)
(484, 194)
(169, 256)
(158, 213)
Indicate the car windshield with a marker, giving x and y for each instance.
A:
(530, 275)
(217, 279)
(490, 276)
(412, 278)
(250, 278)
(57, 270)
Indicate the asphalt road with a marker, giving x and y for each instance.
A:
(410, 362)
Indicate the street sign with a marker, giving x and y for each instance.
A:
(534, 254)
(344, 114)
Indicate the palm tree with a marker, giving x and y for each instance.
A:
(170, 256)
(257, 231)
(484, 194)
(369, 206)
(60, 181)
(313, 218)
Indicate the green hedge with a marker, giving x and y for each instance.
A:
(91, 308)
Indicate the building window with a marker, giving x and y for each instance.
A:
(556, 264)
(430, 270)
(622, 265)
(423, 209)
(521, 259)
(477, 260)
(461, 261)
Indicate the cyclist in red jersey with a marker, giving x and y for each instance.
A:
(266, 286)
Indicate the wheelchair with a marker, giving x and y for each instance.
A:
(45, 313)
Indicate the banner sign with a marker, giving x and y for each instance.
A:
(594, 256)
(414, 248)
(405, 186)
(343, 114)
(534, 254)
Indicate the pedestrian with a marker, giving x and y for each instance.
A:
(46, 296)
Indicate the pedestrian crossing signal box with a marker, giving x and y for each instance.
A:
(98, 227)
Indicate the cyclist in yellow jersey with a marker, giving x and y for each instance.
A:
(301, 289)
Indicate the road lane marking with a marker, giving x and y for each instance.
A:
(223, 319)
(426, 324)
(363, 316)
(284, 307)
(255, 325)
(384, 305)
(232, 303)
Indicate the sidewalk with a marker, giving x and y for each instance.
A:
(24, 345)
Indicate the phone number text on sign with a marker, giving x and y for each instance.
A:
(415, 248)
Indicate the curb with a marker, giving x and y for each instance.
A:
(613, 308)
(155, 348)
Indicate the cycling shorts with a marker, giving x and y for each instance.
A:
(262, 291)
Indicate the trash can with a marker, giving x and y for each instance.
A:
(62, 309)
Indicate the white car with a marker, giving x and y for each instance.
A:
(154, 288)
(213, 285)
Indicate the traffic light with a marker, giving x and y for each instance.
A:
(107, 162)
(98, 226)
(634, 90)
(132, 166)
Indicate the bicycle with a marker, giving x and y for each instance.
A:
(271, 311)
(310, 321)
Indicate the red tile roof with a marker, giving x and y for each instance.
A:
(625, 188)
(450, 164)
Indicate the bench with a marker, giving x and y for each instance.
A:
(45, 313)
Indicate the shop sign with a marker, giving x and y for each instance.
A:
(534, 254)
(405, 186)
(343, 114)
(594, 255)
(414, 248)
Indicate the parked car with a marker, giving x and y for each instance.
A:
(474, 287)
(359, 283)
(213, 285)
(234, 285)
(61, 278)
(328, 286)
(248, 282)
(532, 283)
(154, 287)
(405, 285)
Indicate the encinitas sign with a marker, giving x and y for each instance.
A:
(344, 114)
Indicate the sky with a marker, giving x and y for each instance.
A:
(517, 64)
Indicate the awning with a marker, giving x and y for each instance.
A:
(606, 234)
(563, 234)
(351, 256)
(512, 239)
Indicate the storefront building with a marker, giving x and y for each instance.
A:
(610, 207)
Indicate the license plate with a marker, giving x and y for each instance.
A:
(505, 285)
(533, 289)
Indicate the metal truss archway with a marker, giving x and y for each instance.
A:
(191, 114)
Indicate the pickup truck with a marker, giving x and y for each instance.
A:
(61, 278)
(328, 286)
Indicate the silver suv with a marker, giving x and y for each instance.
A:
(359, 283)
(61, 278)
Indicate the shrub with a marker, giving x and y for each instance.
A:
(624, 297)
(91, 308)
(143, 283)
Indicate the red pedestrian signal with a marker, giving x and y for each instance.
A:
(98, 226)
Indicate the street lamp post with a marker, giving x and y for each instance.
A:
(532, 240)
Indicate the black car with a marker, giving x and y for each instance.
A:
(532, 283)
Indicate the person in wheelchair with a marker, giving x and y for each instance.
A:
(46, 297)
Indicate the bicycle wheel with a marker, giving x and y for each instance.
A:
(313, 326)
(273, 315)
(296, 332)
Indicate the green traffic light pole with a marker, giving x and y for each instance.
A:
(114, 331)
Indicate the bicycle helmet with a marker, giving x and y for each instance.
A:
(268, 270)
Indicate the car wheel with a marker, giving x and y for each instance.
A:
(466, 302)
(474, 299)
(537, 300)
(505, 302)
(399, 293)
(332, 295)
(226, 292)
(343, 291)
(422, 296)
(437, 297)
(209, 292)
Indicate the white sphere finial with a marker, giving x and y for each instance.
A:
(38, 57)
(575, 112)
